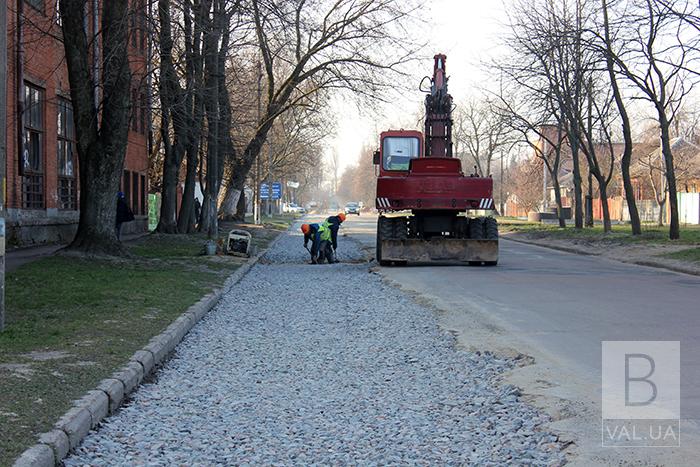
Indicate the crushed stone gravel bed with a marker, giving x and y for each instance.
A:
(322, 364)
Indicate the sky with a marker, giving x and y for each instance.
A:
(468, 32)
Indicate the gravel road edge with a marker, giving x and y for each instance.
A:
(110, 393)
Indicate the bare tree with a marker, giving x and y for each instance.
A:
(482, 133)
(101, 128)
(526, 177)
(309, 47)
(608, 48)
(657, 48)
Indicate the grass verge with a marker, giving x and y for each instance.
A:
(71, 322)
(621, 233)
(692, 255)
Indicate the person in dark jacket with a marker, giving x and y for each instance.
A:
(124, 214)
(333, 223)
(320, 237)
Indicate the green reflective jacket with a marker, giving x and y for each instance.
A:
(325, 231)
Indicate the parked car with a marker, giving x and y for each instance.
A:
(352, 208)
(293, 208)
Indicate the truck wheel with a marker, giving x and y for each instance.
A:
(400, 228)
(385, 227)
(412, 227)
(381, 228)
(490, 263)
(491, 228)
(476, 228)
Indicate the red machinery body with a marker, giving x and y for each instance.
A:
(423, 196)
(430, 183)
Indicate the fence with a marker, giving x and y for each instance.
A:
(688, 209)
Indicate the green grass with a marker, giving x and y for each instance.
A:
(72, 322)
(622, 233)
(691, 255)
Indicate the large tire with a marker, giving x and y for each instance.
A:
(491, 228)
(381, 231)
(400, 228)
(476, 228)
(385, 227)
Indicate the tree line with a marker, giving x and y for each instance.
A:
(576, 85)
(239, 89)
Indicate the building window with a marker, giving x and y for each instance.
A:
(67, 186)
(135, 192)
(126, 186)
(142, 209)
(32, 164)
(38, 4)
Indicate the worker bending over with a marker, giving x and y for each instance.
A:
(333, 223)
(320, 237)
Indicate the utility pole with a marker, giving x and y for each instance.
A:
(256, 191)
(3, 153)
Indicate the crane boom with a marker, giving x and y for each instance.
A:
(438, 113)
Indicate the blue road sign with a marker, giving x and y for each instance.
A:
(276, 191)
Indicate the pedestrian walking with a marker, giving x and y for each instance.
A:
(124, 214)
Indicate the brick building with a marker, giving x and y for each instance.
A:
(42, 178)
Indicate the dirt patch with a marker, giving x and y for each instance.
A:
(643, 254)
(39, 356)
(18, 370)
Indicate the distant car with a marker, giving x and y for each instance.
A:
(352, 208)
(293, 208)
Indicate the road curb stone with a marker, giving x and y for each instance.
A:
(76, 424)
(58, 441)
(39, 455)
(115, 392)
(95, 405)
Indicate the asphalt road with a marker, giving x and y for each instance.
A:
(560, 307)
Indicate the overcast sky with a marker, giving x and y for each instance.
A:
(468, 32)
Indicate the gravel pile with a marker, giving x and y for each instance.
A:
(305, 364)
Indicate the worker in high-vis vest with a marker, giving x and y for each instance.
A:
(321, 246)
(333, 223)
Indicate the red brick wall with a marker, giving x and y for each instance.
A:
(44, 66)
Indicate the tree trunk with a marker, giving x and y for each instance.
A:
(101, 130)
(607, 225)
(229, 206)
(241, 208)
(578, 201)
(557, 197)
(626, 130)
(167, 222)
(185, 225)
(662, 211)
(589, 200)
(674, 229)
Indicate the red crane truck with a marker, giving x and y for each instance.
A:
(429, 210)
